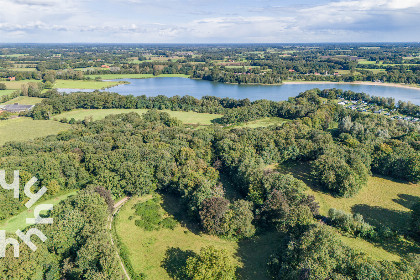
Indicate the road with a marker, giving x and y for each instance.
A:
(117, 207)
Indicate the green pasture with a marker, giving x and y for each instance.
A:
(147, 249)
(21, 129)
(83, 84)
(135, 76)
(25, 100)
(97, 114)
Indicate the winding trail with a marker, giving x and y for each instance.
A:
(117, 207)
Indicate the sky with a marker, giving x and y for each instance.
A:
(210, 21)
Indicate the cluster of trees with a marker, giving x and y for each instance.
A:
(318, 253)
(78, 244)
(352, 224)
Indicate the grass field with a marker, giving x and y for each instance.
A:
(185, 117)
(135, 76)
(24, 100)
(147, 249)
(374, 71)
(6, 92)
(261, 123)
(382, 202)
(84, 84)
(18, 84)
(19, 221)
(22, 128)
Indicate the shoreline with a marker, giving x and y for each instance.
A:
(355, 83)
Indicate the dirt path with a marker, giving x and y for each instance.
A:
(117, 207)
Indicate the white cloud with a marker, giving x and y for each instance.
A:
(161, 21)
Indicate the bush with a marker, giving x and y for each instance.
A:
(353, 224)
(150, 213)
(169, 223)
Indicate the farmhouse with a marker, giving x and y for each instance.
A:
(16, 108)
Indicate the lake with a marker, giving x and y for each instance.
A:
(200, 88)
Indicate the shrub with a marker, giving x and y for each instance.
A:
(169, 223)
(353, 224)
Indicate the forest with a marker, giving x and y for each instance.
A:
(129, 155)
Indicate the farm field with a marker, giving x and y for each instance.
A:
(84, 84)
(19, 221)
(185, 117)
(24, 100)
(20, 129)
(135, 76)
(147, 249)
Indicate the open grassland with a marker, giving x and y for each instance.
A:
(19, 221)
(82, 84)
(382, 202)
(23, 69)
(14, 55)
(374, 251)
(25, 100)
(135, 76)
(97, 114)
(20, 129)
(374, 71)
(261, 123)
(6, 92)
(147, 249)
(18, 84)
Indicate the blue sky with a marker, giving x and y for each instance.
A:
(217, 21)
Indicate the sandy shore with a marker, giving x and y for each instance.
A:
(355, 83)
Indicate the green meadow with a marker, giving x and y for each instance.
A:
(383, 202)
(96, 114)
(135, 76)
(147, 250)
(6, 92)
(25, 100)
(20, 129)
(83, 84)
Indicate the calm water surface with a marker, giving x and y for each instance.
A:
(200, 88)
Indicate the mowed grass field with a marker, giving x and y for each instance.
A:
(135, 76)
(25, 100)
(19, 221)
(6, 92)
(82, 84)
(18, 84)
(147, 249)
(97, 114)
(21, 129)
(260, 123)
